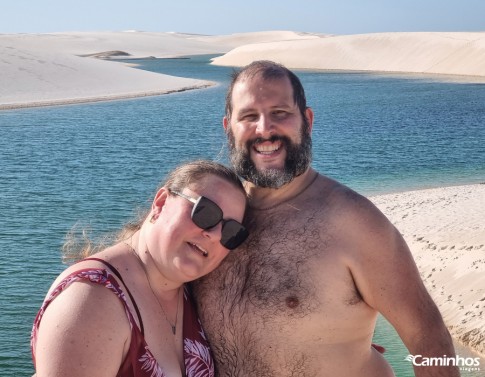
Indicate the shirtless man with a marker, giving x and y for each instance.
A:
(301, 297)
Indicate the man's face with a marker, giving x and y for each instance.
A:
(269, 143)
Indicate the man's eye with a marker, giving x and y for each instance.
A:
(279, 114)
(249, 117)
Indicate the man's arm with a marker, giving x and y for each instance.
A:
(386, 276)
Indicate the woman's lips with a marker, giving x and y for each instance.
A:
(199, 249)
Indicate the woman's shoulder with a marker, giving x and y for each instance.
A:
(83, 319)
(87, 284)
(98, 263)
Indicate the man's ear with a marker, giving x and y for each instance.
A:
(309, 116)
(225, 123)
(158, 203)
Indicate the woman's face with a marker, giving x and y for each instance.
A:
(181, 250)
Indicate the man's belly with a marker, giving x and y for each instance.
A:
(284, 359)
(278, 346)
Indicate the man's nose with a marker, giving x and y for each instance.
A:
(264, 127)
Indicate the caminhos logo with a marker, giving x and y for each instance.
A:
(464, 363)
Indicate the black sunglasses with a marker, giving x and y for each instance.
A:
(206, 214)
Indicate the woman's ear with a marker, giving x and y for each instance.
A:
(158, 203)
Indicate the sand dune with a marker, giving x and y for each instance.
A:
(435, 53)
(57, 68)
(49, 78)
(241, 39)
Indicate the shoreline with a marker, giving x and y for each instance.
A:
(440, 77)
(421, 187)
(105, 98)
(445, 231)
(461, 79)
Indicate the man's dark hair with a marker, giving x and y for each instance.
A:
(268, 70)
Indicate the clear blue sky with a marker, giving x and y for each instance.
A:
(229, 16)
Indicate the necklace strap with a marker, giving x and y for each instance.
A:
(173, 326)
(118, 275)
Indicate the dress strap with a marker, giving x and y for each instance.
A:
(118, 275)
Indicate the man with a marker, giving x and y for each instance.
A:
(301, 297)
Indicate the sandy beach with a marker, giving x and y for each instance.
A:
(445, 230)
(444, 227)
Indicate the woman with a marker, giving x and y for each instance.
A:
(149, 326)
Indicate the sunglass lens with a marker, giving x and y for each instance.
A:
(233, 234)
(206, 213)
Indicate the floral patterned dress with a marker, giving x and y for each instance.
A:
(139, 361)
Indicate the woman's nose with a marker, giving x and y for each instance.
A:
(214, 233)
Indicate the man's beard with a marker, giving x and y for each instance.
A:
(298, 159)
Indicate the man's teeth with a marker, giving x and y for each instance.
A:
(201, 250)
(267, 149)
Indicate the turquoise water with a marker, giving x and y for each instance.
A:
(97, 163)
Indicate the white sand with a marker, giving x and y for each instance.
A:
(458, 53)
(58, 68)
(445, 229)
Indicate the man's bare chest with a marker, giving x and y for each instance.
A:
(271, 273)
(278, 286)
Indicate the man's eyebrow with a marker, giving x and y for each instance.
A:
(284, 106)
(245, 110)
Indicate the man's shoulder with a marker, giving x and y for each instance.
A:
(338, 193)
(346, 203)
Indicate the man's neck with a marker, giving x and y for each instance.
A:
(265, 198)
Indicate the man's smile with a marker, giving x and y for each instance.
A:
(267, 147)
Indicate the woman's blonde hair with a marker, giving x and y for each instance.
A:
(79, 245)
